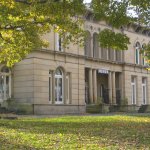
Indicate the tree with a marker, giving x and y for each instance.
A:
(23, 22)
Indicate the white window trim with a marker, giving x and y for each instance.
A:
(60, 102)
(57, 43)
(50, 88)
(133, 84)
(144, 85)
(68, 89)
(137, 60)
(9, 94)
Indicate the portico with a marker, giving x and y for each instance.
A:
(104, 84)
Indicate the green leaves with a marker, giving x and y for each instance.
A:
(24, 22)
(110, 39)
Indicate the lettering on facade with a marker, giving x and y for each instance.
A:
(103, 71)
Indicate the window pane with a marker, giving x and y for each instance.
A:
(50, 89)
(59, 92)
(55, 89)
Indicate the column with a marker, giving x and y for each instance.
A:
(95, 85)
(113, 88)
(110, 86)
(121, 86)
(4, 87)
(90, 86)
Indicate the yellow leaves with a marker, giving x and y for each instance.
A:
(14, 18)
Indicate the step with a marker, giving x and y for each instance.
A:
(144, 109)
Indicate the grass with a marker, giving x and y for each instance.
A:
(118, 132)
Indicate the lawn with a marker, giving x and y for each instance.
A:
(76, 133)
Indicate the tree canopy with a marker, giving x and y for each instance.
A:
(23, 22)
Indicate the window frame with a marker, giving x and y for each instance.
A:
(133, 89)
(144, 85)
(50, 86)
(137, 53)
(58, 43)
(4, 76)
(62, 86)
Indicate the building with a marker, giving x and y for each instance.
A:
(59, 81)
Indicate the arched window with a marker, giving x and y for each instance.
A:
(137, 53)
(87, 45)
(59, 86)
(95, 46)
(5, 83)
(143, 55)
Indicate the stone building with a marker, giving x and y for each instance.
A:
(59, 81)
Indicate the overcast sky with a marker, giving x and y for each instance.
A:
(87, 1)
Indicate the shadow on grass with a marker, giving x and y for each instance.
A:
(117, 130)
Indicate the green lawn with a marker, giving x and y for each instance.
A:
(76, 133)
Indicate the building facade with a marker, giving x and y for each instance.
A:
(61, 80)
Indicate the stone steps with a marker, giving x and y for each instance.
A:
(94, 108)
(3, 110)
(144, 109)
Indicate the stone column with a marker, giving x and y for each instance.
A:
(90, 86)
(110, 86)
(95, 85)
(113, 88)
(121, 84)
(4, 76)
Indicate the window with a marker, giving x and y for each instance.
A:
(133, 89)
(144, 90)
(67, 89)
(137, 53)
(95, 46)
(59, 86)
(59, 40)
(143, 56)
(50, 86)
(87, 44)
(5, 83)
(118, 55)
(103, 53)
(110, 54)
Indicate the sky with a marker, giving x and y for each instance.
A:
(87, 1)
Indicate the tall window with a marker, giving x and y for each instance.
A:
(118, 55)
(67, 88)
(95, 46)
(133, 89)
(87, 45)
(103, 53)
(50, 86)
(144, 90)
(137, 53)
(110, 54)
(59, 40)
(59, 86)
(143, 56)
(5, 84)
